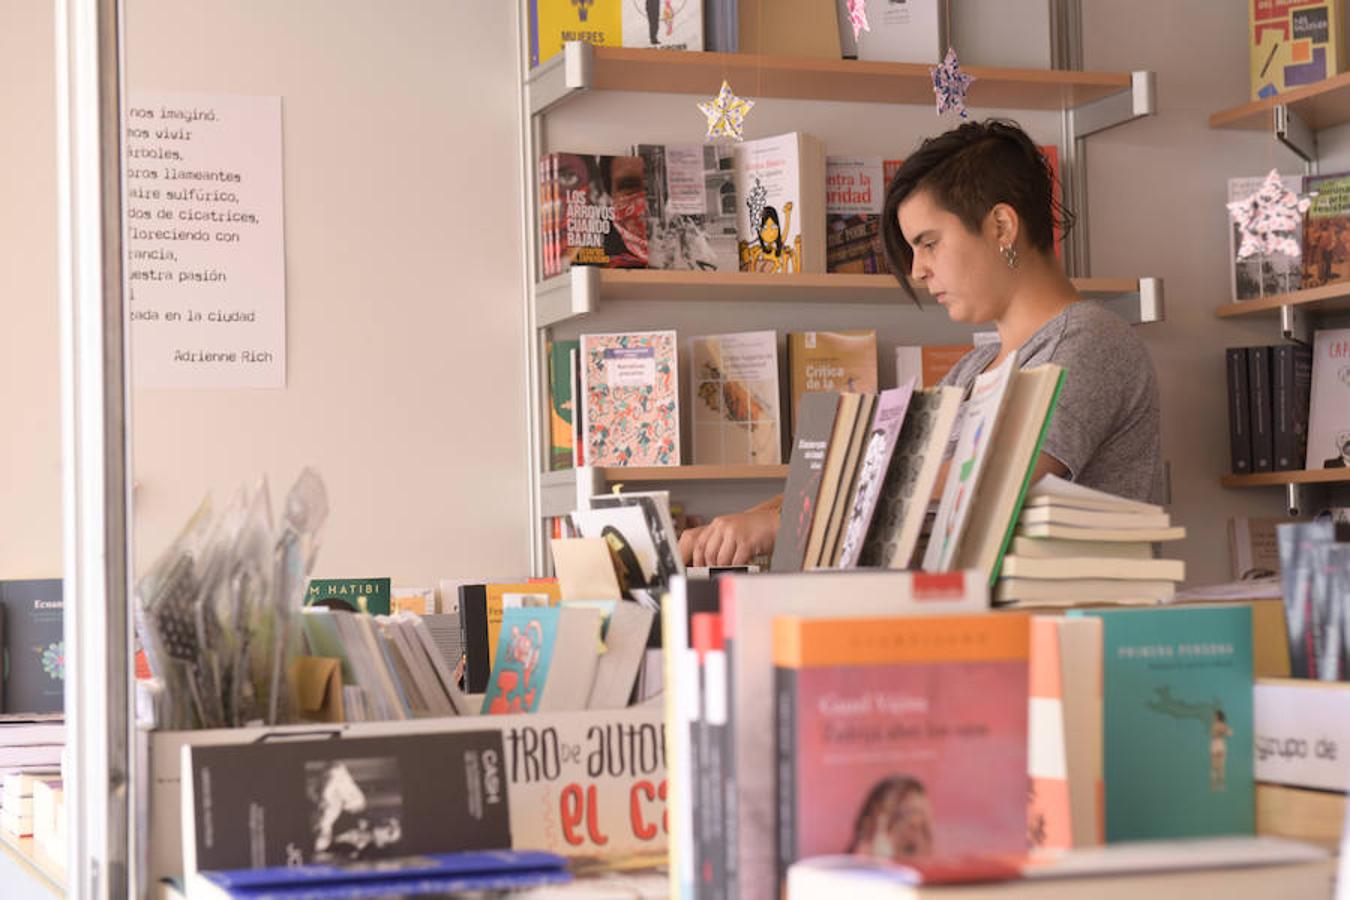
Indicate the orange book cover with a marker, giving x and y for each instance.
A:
(841, 361)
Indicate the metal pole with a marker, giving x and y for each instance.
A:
(95, 483)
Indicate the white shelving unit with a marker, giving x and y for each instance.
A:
(1089, 102)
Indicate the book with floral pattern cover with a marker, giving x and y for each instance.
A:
(632, 401)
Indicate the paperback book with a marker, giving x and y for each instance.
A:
(1264, 274)
(597, 212)
(875, 462)
(1329, 407)
(854, 193)
(734, 394)
(929, 364)
(562, 405)
(780, 191)
(691, 206)
(529, 673)
(1315, 581)
(631, 395)
(367, 595)
(805, 470)
(909, 32)
(1324, 226)
(843, 361)
(663, 24)
(33, 645)
(655, 507)
(553, 24)
(1293, 44)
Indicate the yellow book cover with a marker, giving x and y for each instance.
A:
(554, 22)
(843, 361)
(1294, 43)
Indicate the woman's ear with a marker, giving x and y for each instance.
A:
(1005, 224)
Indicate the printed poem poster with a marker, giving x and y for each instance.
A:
(205, 253)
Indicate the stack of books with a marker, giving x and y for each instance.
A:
(1075, 545)
(16, 800)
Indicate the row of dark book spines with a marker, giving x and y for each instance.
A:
(1268, 396)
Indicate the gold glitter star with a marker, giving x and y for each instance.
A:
(726, 113)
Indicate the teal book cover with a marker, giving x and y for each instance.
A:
(1177, 715)
(524, 652)
(367, 595)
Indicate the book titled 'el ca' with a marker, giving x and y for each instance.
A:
(901, 738)
(1177, 694)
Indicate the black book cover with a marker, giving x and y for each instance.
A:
(473, 613)
(1239, 419)
(785, 838)
(330, 801)
(815, 422)
(1290, 393)
(34, 646)
(1258, 384)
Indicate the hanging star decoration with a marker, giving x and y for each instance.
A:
(857, 16)
(726, 114)
(1269, 220)
(950, 84)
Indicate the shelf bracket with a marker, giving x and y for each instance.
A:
(590, 481)
(565, 75)
(1294, 133)
(1295, 498)
(567, 296)
(1139, 307)
(1295, 325)
(1139, 101)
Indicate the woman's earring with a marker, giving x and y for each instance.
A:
(1010, 254)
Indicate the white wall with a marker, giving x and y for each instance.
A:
(30, 402)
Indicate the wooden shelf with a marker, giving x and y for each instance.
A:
(693, 473)
(1320, 105)
(1333, 297)
(583, 288)
(809, 78)
(1280, 479)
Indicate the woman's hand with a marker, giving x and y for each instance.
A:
(732, 540)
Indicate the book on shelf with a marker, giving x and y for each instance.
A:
(545, 662)
(1259, 399)
(1315, 579)
(1324, 224)
(445, 874)
(1293, 44)
(596, 212)
(1291, 393)
(929, 363)
(367, 595)
(854, 192)
(875, 460)
(843, 361)
(1329, 406)
(848, 474)
(691, 207)
(1057, 514)
(1263, 274)
(788, 28)
(1110, 535)
(627, 630)
(1301, 727)
(33, 646)
(655, 506)
(663, 24)
(481, 607)
(910, 478)
(748, 605)
(1074, 591)
(734, 396)
(1082, 566)
(420, 601)
(562, 404)
(553, 24)
(850, 411)
(631, 543)
(1178, 727)
(1051, 490)
(721, 26)
(980, 417)
(1239, 411)
(901, 738)
(909, 32)
(780, 194)
(811, 441)
(631, 399)
(1029, 548)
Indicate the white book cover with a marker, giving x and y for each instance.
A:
(734, 395)
(780, 191)
(1265, 274)
(1302, 728)
(1329, 410)
(691, 207)
(663, 24)
(979, 422)
(902, 31)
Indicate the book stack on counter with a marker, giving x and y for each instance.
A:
(1077, 546)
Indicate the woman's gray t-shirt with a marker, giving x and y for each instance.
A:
(1105, 426)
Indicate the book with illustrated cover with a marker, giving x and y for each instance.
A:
(980, 419)
(545, 661)
(553, 23)
(733, 392)
(887, 421)
(1293, 43)
(631, 412)
(1265, 274)
(780, 194)
(663, 24)
(631, 542)
(1177, 689)
(848, 477)
(368, 595)
(596, 211)
(34, 653)
(854, 193)
(1329, 405)
(691, 206)
(655, 506)
(850, 411)
(901, 738)
(842, 361)
(278, 803)
(1325, 227)
(806, 467)
(561, 403)
(910, 478)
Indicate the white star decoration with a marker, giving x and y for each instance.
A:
(857, 16)
(1269, 220)
(950, 84)
(726, 113)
